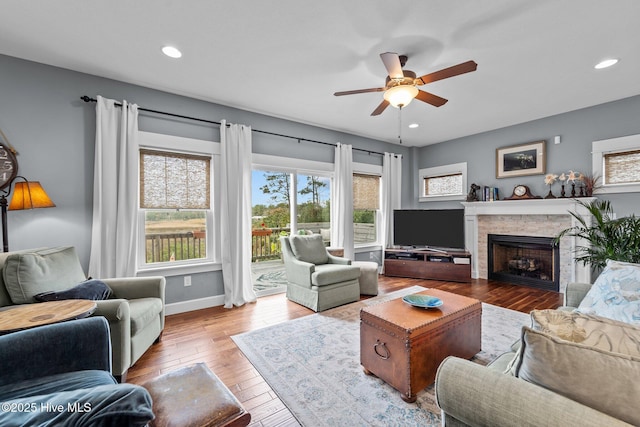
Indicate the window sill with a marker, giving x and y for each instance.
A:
(368, 247)
(442, 198)
(179, 269)
(619, 188)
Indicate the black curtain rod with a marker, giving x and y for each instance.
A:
(85, 98)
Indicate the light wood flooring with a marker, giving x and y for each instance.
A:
(205, 336)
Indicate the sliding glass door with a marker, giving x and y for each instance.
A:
(284, 202)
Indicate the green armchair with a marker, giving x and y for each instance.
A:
(135, 310)
(317, 279)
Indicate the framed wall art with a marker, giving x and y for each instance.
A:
(521, 160)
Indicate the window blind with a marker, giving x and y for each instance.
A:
(622, 168)
(443, 185)
(174, 180)
(366, 192)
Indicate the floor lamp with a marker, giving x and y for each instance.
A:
(26, 195)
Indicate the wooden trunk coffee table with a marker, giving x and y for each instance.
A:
(404, 345)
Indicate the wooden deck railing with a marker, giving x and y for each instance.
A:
(165, 247)
(265, 243)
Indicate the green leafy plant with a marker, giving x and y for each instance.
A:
(607, 238)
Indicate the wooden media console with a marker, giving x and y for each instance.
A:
(452, 266)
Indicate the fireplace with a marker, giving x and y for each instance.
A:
(524, 260)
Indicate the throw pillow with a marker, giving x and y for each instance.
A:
(595, 331)
(309, 248)
(95, 290)
(603, 380)
(29, 273)
(615, 293)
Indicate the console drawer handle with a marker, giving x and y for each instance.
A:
(383, 347)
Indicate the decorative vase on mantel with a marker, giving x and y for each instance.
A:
(549, 179)
(550, 194)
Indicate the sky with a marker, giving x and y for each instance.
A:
(259, 198)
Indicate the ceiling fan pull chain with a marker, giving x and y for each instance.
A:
(400, 124)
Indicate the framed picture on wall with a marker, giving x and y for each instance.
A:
(521, 160)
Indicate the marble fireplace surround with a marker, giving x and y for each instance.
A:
(535, 217)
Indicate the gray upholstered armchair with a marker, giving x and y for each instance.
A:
(317, 279)
(135, 310)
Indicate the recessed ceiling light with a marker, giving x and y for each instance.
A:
(606, 63)
(171, 52)
(413, 125)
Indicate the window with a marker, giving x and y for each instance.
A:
(175, 201)
(446, 182)
(617, 162)
(622, 168)
(288, 196)
(366, 205)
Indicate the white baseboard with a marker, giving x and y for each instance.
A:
(195, 304)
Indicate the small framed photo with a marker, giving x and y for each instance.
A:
(521, 160)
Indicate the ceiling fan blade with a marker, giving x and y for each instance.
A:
(391, 62)
(383, 105)
(465, 67)
(353, 92)
(430, 98)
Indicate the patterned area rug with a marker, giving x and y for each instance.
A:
(313, 364)
(271, 279)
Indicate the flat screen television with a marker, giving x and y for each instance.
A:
(433, 228)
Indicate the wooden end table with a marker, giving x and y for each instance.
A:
(404, 345)
(44, 313)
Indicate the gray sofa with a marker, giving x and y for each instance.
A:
(59, 375)
(473, 395)
(135, 310)
(317, 279)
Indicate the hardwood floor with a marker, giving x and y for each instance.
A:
(205, 336)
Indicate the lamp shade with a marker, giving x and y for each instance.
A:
(29, 195)
(400, 95)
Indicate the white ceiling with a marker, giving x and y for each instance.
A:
(286, 58)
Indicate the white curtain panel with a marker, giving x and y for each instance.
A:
(235, 215)
(115, 191)
(391, 192)
(342, 206)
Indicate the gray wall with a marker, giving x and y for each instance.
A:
(53, 131)
(577, 130)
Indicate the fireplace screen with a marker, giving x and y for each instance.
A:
(524, 260)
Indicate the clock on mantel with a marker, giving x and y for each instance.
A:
(521, 192)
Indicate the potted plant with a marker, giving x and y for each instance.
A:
(607, 238)
(590, 183)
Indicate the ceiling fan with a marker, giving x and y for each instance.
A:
(401, 85)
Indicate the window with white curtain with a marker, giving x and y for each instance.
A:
(176, 216)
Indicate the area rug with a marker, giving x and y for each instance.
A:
(271, 279)
(313, 364)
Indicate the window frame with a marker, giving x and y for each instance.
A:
(182, 145)
(613, 146)
(314, 167)
(369, 169)
(443, 170)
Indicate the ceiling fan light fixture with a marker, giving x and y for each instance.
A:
(400, 95)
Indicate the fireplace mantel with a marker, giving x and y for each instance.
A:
(523, 208)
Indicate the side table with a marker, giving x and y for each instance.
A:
(37, 314)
